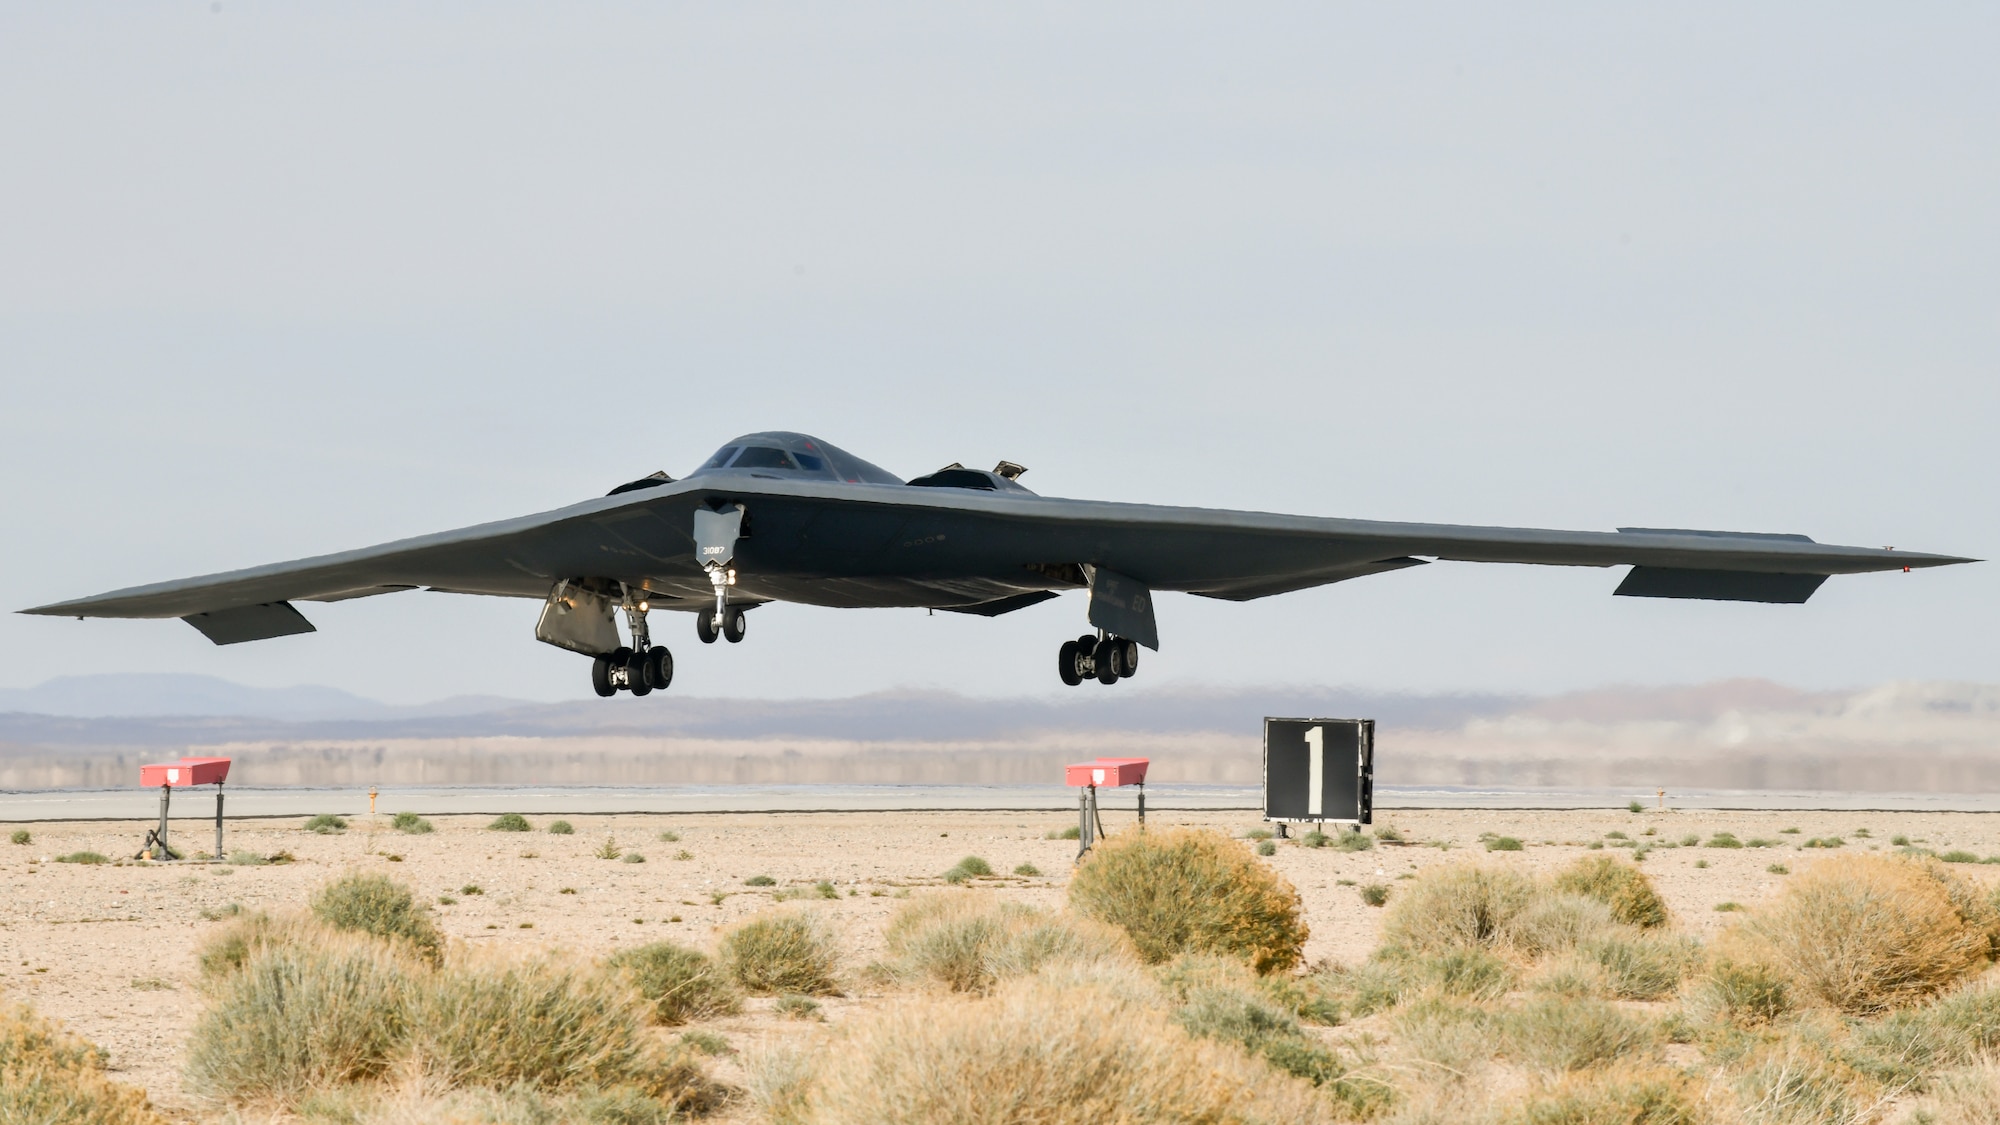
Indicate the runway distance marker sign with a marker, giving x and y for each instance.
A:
(1319, 769)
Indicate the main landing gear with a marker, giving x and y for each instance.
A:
(1104, 658)
(640, 669)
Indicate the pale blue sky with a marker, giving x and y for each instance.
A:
(284, 279)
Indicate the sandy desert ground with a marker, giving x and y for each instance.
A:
(110, 949)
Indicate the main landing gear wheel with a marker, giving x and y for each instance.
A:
(704, 627)
(638, 673)
(734, 622)
(660, 668)
(600, 677)
(1087, 658)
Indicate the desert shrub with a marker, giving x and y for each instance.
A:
(1361, 990)
(1266, 848)
(1250, 1021)
(1187, 890)
(1554, 1034)
(760, 881)
(1571, 976)
(1864, 934)
(1453, 1035)
(510, 822)
(1724, 840)
(1473, 973)
(967, 943)
(1614, 1095)
(1503, 844)
(632, 857)
(794, 1006)
(1353, 841)
(1257, 834)
(1620, 886)
(1979, 910)
(1962, 1097)
(1555, 923)
(539, 1022)
(21, 836)
(1644, 967)
(410, 822)
(1314, 838)
(971, 867)
(1069, 833)
(378, 905)
(681, 984)
(561, 828)
(1027, 871)
(1747, 991)
(1957, 1030)
(1054, 1050)
(91, 859)
(49, 1076)
(1794, 1081)
(1375, 894)
(228, 948)
(1303, 998)
(779, 951)
(312, 1011)
(1454, 908)
(325, 824)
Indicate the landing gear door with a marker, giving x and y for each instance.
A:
(579, 621)
(1319, 769)
(1123, 607)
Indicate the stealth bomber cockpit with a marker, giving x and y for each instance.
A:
(785, 517)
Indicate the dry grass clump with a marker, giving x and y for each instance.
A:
(1864, 934)
(498, 1023)
(1053, 1049)
(1955, 1031)
(967, 942)
(51, 1077)
(378, 905)
(312, 1011)
(1556, 923)
(1555, 1034)
(790, 950)
(1744, 992)
(1619, 1094)
(1647, 966)
(1444, 1037)
(1621, 886)
(1187, 890)
(228, 947)
(1962, 1097)
(1455, 908)
(1795, 1080)
(681, 984)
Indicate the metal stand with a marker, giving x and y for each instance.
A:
(218, 820)
(156, 838)
(1088, 825)
(1282, 833)
(1142, 804)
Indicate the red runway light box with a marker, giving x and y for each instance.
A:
(187, 771)
(1107, 772)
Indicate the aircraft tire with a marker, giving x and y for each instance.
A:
(734, 624)
(704, 627)
(1128, 658)
(1106, 659)
(639, 673)
(1066, 664)
(660, 668)
(600, 677)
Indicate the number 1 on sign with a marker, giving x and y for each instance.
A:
(1315, 768)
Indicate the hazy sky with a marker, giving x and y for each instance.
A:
(283, 279)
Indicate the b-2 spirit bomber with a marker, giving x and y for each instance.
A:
(784, 517)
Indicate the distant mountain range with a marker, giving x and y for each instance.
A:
(81, 732)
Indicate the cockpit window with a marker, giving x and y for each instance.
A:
(809, 462)
(764, 457)
(721, 457)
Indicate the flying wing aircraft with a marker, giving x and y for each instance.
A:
(784, 517)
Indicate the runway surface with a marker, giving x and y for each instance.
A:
(143, 804)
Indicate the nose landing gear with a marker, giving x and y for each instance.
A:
(1104, 658)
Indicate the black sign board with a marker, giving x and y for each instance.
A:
(1319, 769)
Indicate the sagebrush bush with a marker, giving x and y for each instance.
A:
(510, 822)
(1791, 1080)
(1957, 1030)
(681, 984)
(375, 904)
(971, 867)
(1643, 966)
(536, 1022)
(1962, 1097)
(228, 948)
(791, 950)
(1863, 934)
(325, 823)
(1554, 1034)
(412, 823)
(1454, 1035)
(1454, 908)
(316, 1010)
(1747, 992)
(1186, 890)
(1053, 1049)
(966, 941)
(49, 1076)
(1621, 886)
(1555, 923)
(1619, 1094)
